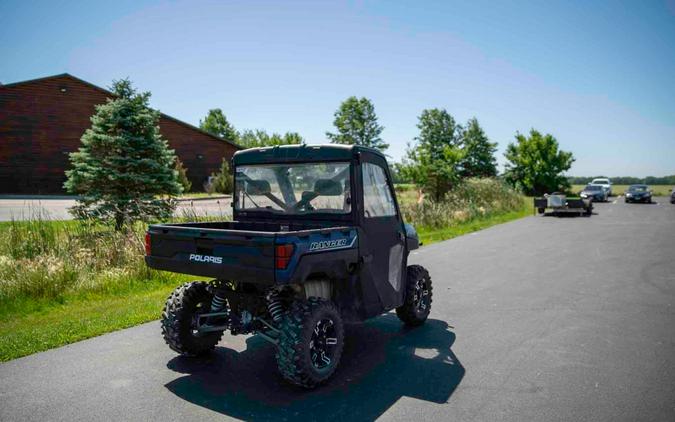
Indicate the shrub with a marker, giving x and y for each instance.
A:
(182, 176)
(222, 181)
(474, 198)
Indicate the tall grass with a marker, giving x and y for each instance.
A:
(42, 259)
(473, 199)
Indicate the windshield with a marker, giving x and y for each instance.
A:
(600, 181)
(293, 188)
(591, 187)
(637, 188)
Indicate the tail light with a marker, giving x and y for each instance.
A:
(147, 243)
(283, 254)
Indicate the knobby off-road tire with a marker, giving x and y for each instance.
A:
(308, 329)
(417, 305)
(178, 320)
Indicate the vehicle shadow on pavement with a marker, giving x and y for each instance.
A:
(382, 362)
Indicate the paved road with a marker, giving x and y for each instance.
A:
(57, 209)
(541, 319)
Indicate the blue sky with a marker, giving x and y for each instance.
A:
(599, 76)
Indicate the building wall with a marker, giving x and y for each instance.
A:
(42, 121)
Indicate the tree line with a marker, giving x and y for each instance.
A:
(443, 153)
(627, 180)
(125, 171)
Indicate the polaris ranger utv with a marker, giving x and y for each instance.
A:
(317, 240)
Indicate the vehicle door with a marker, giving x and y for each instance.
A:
(382, 242)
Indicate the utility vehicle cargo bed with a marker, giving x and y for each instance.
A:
(233, 250)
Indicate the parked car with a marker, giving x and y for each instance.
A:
(639, 193)
(605, 183)
(317, 239)
(672, 196)
(595, 192)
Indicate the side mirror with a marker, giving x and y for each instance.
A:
(327, 187)
(258, 187)
(412, 239)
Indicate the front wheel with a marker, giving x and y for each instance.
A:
(311, 340)
(180, 318)
(417, 305)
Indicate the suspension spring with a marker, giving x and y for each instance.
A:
(274, 306)
(217, 303)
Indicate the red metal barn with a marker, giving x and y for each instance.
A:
(42, 120)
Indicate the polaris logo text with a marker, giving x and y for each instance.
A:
(206, 258)
(327, 244)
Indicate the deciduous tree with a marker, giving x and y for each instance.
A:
(479, 153)
(434, 162)
(356, 124)
(259, 138)
(216, 124)
(536, 165)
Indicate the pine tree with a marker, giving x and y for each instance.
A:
(356, 124)
(479, 153)
(222, 181)
(124, 170)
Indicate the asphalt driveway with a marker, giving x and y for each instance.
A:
(540, 319)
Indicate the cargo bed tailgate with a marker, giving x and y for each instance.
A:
(223, 254)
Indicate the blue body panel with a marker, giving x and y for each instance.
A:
(324, 242)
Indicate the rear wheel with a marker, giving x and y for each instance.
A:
(417, 306)
(310, 342)
(180, 317)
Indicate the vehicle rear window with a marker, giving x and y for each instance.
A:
(294, 188)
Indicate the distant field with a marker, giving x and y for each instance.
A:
(659, 190)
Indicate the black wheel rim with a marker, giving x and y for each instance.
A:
(421, 296)
(323, 344)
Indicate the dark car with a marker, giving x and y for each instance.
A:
(672, 196)
(595, 192)
(639, 193)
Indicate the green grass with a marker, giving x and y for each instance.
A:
(659, 190)
(55, 323)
